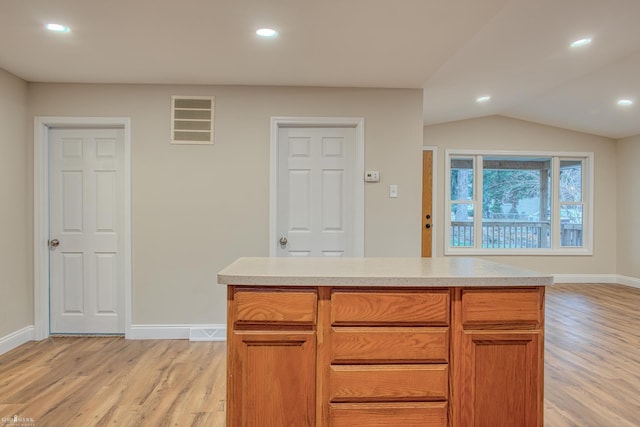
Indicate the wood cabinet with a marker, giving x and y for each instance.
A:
(388, 358)
(274, 381)
(271, 357)
(497, 347)
(340, 356)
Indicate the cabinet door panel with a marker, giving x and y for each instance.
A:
(500, 381)
(273, 380)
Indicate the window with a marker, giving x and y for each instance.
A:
(518, 203)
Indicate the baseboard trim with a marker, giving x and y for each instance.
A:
(16, 339)
(585, 278)
(629, 281)
(193, 332)
(597, 278)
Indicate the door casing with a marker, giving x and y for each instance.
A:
(354, 122)
(42, 124)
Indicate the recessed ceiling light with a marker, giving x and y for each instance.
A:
(266, 32)
(581, 42)
(483, 99)
(625, 102)
(58, 28)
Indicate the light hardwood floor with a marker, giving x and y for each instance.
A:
(592, 356)
(592, 372)
(102, 381)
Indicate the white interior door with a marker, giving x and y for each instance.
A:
(316, 186)
(86, 219)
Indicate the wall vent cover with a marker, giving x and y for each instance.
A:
(192, 119)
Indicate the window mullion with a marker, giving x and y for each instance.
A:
(586, 214)
(477, 201)
(555, 203)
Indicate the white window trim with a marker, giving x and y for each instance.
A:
(556, 249)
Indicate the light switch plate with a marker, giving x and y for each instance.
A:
(393, 191)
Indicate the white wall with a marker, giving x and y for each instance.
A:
(197, 208)
(501, 133)
(16, 289)
(628, 207)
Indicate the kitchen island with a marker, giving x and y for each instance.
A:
(384, 342)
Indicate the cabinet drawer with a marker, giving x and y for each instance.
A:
(388, 383)
(497, 307)
(389, 345)
(391, 307)
(275, 306)
(388, 414)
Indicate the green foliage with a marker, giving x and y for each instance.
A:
(508, 186)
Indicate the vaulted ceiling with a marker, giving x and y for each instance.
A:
(516, 51)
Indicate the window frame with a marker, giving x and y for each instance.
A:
(587, 159)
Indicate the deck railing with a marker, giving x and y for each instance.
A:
(514, 234)
(571, 234)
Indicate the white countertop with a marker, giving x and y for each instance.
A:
(432, 272)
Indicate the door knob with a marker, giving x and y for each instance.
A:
(54, 243)
(283, 241)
